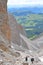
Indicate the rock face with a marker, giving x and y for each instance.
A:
(4, 27)
(15, 38)
(3, 12)
(10, 40)
(9, 27)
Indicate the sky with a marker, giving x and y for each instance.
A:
(25, 2)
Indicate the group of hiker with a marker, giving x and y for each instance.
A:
(32, 59)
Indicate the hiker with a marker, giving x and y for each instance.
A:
(26, 59)
(32, 60)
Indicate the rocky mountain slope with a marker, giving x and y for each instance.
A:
(14, 45)
(10, 40)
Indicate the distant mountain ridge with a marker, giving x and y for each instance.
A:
(26, 10)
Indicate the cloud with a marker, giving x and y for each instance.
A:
(21, 2)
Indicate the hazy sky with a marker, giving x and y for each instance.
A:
(24, 2)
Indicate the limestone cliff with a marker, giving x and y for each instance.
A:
(9, 26)
(4, 26)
